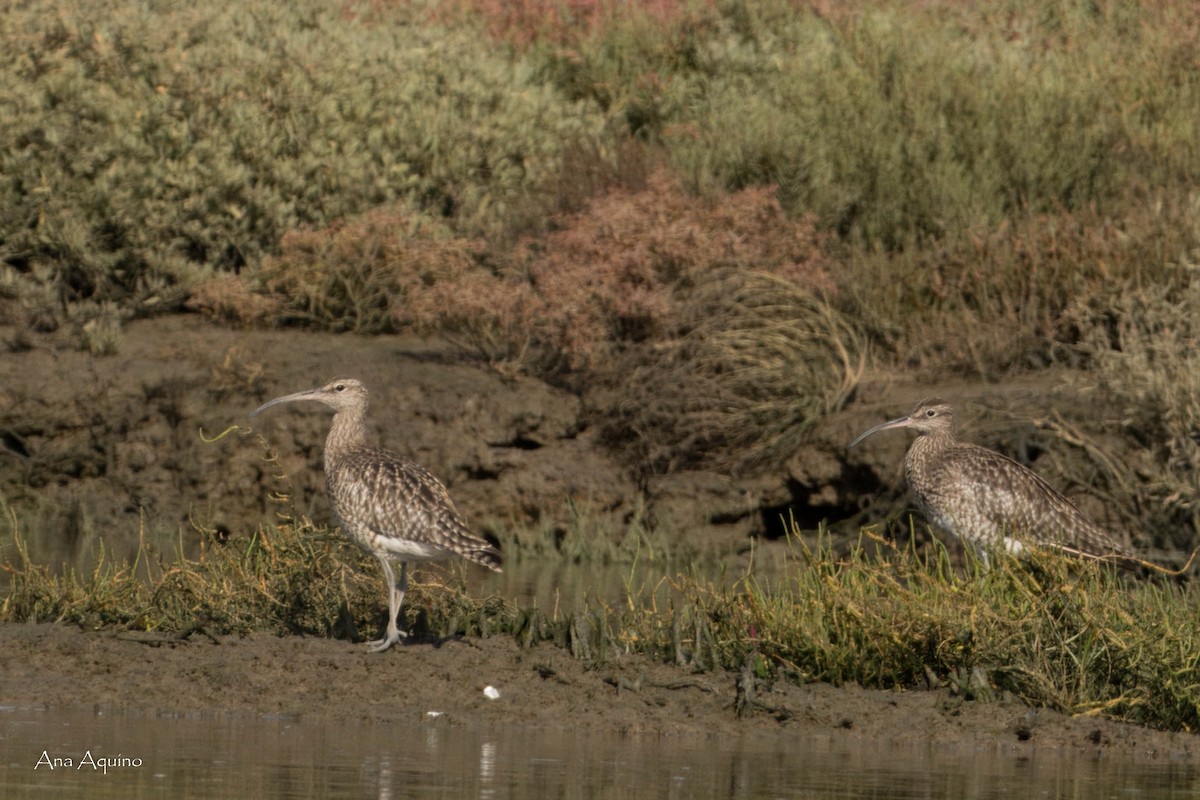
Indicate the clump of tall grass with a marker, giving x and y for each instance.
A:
(755, 362)
(708, 319)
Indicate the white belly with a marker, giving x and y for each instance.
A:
(1013, 546)
(405, 550)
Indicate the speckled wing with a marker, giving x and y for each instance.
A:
(393, 505)
(992, 492)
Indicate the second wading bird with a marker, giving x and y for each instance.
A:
(986, 499)
(390, 506)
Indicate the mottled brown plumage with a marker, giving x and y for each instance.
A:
(390, 506)
(986, 499)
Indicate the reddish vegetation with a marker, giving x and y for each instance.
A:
(718, 305)
(618, 272)
(615, 274)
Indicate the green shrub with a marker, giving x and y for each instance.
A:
(146, 146)
(1019, 295)
(895, 124)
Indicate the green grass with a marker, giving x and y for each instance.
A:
(1054, 632)
(1064, 634)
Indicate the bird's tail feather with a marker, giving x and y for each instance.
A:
(488, 556)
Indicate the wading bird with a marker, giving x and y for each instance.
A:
(986, 499)
(388, 505)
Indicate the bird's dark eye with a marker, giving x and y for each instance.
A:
(931, 413)
(341, 387)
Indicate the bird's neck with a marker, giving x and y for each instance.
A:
(348, 431)
(924, 453)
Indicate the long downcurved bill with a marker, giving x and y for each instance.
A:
(899, 422)
(287, 398)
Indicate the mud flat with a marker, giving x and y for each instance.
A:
(59, 667)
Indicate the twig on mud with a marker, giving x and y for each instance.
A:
(676, 685)
(156, 638)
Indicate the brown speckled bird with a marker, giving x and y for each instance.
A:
(388, 505)
(986, 499)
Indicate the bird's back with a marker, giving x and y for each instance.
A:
(985, 498)
(390, 504)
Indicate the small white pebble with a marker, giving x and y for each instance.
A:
(491, 693)
(434, 714)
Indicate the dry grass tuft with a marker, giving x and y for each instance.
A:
(756, 362)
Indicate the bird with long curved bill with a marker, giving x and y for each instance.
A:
(986, 499)
(390, 506)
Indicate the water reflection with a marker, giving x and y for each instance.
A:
(558, 585)
(193, 757)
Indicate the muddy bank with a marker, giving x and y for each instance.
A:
(112, 449)
(49, 666)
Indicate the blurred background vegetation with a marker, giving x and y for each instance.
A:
(588, 189)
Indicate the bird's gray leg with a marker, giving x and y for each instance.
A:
(395, 598)
(401, 591)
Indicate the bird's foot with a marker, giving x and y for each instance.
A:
(380, 645)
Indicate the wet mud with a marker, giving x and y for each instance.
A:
(55, 666)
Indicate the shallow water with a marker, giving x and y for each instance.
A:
(234, 756)
(558, 585)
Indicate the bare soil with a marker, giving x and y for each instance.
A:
(323, 679)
